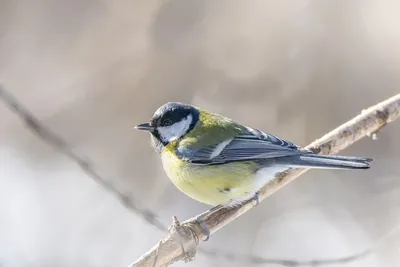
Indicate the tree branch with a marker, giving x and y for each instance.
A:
(182, 240)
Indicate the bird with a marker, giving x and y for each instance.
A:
(217, 161)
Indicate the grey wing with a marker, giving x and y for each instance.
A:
(250, 146)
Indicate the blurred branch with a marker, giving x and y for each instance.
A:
(48, 136)
(312, 263)
(182, 240)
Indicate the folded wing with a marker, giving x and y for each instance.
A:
(250, 146)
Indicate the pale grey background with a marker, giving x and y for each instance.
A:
(90, 70)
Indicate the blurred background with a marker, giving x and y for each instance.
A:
(91, 70)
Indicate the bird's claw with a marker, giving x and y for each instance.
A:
(205, 229)
(256, 198)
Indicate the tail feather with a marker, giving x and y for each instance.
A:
(325, 162)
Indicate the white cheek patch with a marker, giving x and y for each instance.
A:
(176, 130)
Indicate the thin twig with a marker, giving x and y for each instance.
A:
(48, 136)
(368, 123)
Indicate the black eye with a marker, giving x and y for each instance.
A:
(166, 122)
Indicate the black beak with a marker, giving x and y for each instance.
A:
(145, 127)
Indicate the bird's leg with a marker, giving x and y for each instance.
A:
(205, 228)
(202, 225)
(255, 197)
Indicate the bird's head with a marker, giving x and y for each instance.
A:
(171, 122)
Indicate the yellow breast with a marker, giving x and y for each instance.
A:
(216, 184)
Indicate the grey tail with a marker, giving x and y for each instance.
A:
(324, 162)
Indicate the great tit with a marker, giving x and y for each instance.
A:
(216, 160)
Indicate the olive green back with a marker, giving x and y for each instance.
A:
(211, 129)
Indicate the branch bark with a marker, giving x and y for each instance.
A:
(182, 241)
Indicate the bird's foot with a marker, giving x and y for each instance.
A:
(201, 222)
(255, 197)
(204, 228)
